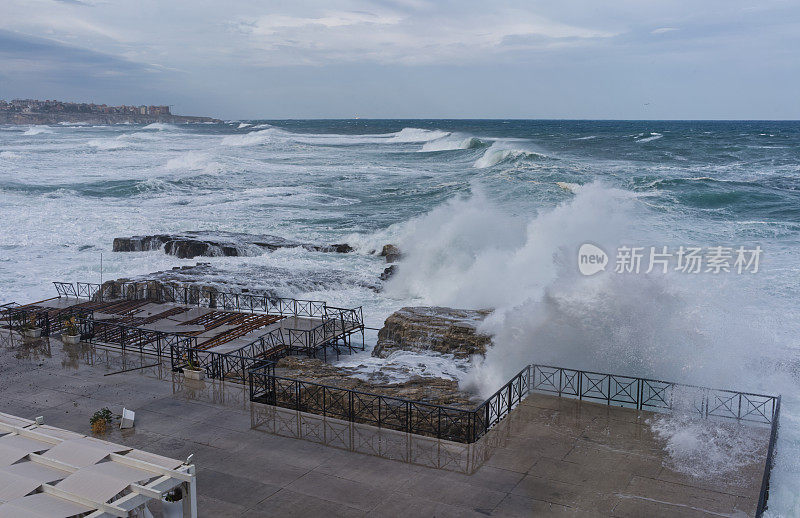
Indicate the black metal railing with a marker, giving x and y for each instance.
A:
(334, 322)
(232, 365)
(773, 439)
(650, 394)
(468, 425)
(132, 338)
(455, 424)
(88, 290)
(198, 296)
(50, 321)
(497, 406)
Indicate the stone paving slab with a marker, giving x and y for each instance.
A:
(550, 457)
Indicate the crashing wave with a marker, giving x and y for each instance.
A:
(37, 130)
(498, 153)
(546, 312)
(451, 143)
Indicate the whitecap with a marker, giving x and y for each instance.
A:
(568, 186)
(653, 136)
(107, 144)
(37, 130)
(192, 161)
(160, 126)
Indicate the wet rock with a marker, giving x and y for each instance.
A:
(391, 253)
(433, 390)
(342, 248)
(439, 329)
(260, 279)
(210, 244)
(388, 272)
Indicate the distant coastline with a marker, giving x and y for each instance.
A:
(32, 111)
(57, 118)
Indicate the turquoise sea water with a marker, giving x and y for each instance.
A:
(488, 213)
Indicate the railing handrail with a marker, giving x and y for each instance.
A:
(650, 380)
(763, 495)
(504, 387)
(369, 394)
(639, 398)
(275, 301)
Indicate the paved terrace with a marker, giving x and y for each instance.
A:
(550, 457)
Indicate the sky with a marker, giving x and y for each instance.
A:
(574, 59)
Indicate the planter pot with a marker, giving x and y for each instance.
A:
(193, 375)
(36, 332)
(70, 339)
(172, 509)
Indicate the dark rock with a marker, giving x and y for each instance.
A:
(391, 253)
(342, 248)
(439, 329)
(388, 272)
(210, 244)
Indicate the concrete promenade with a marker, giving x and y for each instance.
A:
(550, 457)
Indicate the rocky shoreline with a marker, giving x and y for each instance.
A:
(437, 329)
(432, 390)
(191, 244)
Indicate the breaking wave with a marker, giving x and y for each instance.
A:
(272, 134)
(160, 126)
(451, 143)
(500, 152)
(37, 130)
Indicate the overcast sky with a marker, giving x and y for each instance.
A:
(638, 59)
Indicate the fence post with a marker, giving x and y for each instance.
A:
(350, 412)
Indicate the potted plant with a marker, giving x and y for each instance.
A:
(101, 420)
(172, 504)
(71, 334)
(30, 329)
(192, 371)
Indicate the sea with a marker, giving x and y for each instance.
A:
(692, 227)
